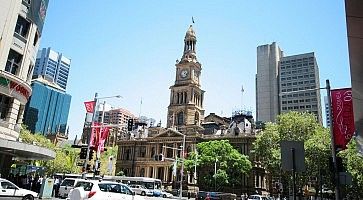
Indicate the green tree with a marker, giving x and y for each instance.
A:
(65, 159)
(294, 126)
(230, 163)
(353, 162)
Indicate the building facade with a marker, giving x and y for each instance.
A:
(21, 25)
(53, 64)
(286, 83)
(298, 83)
(267, 101)
(48, 108)
(185, 118)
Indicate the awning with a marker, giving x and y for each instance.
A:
(23, 151)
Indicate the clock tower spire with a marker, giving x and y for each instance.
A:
(185, 111)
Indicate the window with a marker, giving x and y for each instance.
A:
(22, 27)
(8, 185)
(142, 151)
(180, 118)
(4, 106)
(87, 186)
(36, 38)
(14, 62)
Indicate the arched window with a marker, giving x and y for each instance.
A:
(152, 152)
(180, 118)
(196, 118)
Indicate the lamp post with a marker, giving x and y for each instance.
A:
(96, 98)
(182, 168)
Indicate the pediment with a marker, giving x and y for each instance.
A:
(169, 133)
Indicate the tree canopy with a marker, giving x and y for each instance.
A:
(230, 163)
(294, 126)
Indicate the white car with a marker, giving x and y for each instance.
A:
(102, 190)
(66, 186)
(166, 194)
(256, 197)
(141, 190)
(11, 191)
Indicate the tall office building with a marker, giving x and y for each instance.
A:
(53, 64)
(267, 101)
(47, 109)
(299, 78)
(286, 83)
(21, 24)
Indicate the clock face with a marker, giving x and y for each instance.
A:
(184, 73)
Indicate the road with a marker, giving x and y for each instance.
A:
(148, 198)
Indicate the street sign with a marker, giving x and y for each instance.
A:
(293, 153)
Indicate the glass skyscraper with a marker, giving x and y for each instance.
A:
(52, 64)
(48, 108)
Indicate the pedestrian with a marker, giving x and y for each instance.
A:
(56, 187)
(207, 197)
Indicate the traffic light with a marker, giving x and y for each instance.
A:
(130, 124)
(90, 157)
(83, 153)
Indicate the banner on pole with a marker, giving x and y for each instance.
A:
(90, 106)
(342, 117)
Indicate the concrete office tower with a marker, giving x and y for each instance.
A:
(300, 73)
(267, 99)
(327, 111)
(53, 64)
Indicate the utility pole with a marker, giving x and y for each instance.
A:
(182, 169)
(84, 173)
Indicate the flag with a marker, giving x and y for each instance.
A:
(242, 90)
(90, 106)
(104, 131)
(342, 117)
(95, 129)
(192, 19)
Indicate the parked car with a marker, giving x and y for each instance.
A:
(11, 191)
(141, 190)
(66, 186)
(166, 194)
(256, 197)
(102, 190)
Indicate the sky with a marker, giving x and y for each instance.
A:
(129, 48)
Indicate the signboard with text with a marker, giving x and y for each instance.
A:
(342, 116)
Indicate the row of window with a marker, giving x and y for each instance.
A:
(300, 101)
(313, 93)
(298, 60)
(297, 71)
(299, 83)
(296, 65)
(299, 107)
(298, 77)
(298, 88)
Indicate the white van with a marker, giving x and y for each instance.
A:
(66, 186)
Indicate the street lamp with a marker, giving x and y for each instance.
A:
(96, 98)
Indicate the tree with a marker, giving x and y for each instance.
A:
(294, 126)
(230, 163)
(353, 162)
(65, 159)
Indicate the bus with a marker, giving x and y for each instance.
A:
(149, 183)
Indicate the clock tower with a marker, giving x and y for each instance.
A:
(185, 111)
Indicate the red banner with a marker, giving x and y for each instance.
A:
(342, 116)
(99, 135)
(90, 106)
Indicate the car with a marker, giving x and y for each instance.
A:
(11, 191)
(66, 186)
(102, 190)
(256, 197)
(141, 190)
(166, 194)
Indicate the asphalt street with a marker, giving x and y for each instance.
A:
(151, 198)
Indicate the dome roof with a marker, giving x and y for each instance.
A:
(190, 32)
